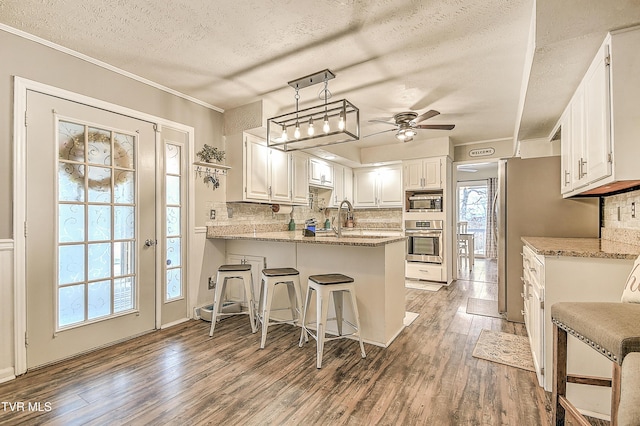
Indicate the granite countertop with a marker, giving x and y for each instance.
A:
(297, 237)
(582, 247)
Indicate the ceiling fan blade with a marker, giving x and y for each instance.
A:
(377, 133)
(382, 121)
(427, 115)
(436, 126)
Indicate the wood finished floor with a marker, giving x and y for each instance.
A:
(181, 376)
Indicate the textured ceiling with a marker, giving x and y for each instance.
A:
(464, 58)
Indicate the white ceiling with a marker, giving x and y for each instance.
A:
(464, 58)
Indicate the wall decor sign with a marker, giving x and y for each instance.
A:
(482, 152)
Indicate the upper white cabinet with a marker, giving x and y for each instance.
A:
(601, 124)
(299, 178)
(320, 173)
(265, 174)
(342, 185)
(378, 186)
(424, 173)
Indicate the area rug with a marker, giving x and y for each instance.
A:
(409, 317)
(487, 308)
(504, 348)
(419, 285)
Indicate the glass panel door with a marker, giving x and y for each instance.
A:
(472, 209)
(96, 223)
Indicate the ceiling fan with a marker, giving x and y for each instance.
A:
(406, 124)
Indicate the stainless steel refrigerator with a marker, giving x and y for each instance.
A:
(529, 203)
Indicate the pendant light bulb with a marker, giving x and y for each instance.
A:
(325, 126)
(284, 133)
(310, 129)
(296, 132)
(341, 122)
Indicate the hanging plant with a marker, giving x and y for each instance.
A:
(209, 153)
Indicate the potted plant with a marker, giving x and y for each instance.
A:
(210, 154)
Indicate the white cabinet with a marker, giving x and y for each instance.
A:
(533, 295)
(424, 173)
(234, 290)
(279, 176)
(378, 187)
(299, 178)
(320, 173)
(257, 170)
(342, 185)
(551, 279)
(599, 128)
(265, 175)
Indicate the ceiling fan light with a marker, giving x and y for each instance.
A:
(410, 133)
(400, 135)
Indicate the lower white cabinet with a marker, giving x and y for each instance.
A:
(235, 287)
(378, 186)
(423, 271)
(533, 294)
(551, 279)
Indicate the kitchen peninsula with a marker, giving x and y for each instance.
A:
(376, 262)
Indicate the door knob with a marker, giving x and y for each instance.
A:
(149, 243)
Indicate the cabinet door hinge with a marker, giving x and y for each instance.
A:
(542, 304)
(542, 371)
(26, 339)
(610, 158)
(607, 56)
(25, 229)
(25, 118)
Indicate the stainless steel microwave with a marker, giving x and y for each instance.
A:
(425, 203)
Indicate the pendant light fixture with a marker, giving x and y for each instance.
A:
(340, 119)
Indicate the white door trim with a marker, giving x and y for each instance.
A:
(21, 86)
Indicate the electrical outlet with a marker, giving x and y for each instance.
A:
(212, 214)
(212, 283)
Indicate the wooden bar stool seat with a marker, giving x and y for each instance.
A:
(609, 328)
(325, 286)
(271, 277)
(225, 272)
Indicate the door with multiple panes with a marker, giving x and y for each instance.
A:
(90, 228)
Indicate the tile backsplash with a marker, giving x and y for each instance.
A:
(260, 216)
(619, 223)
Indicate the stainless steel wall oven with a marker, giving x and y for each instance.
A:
(424, 241)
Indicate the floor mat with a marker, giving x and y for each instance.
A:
(487, 308)
(504, 348)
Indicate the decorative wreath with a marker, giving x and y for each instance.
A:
(98, 153)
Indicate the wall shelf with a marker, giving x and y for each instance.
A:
(211, 165)
(211, 172)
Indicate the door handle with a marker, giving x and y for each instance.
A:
(149, 243)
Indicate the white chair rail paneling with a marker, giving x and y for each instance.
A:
(6, 311)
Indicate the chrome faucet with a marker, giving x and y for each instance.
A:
(338, 230)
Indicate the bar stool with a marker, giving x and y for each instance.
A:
(609, 328)
(327, 285)
(240, 271)
(270, 279)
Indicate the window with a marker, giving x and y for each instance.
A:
(472, 209)
(174, 211)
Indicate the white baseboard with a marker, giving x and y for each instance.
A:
(171, 324)
(7, 374)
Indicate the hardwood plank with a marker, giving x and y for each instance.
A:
(181, 376)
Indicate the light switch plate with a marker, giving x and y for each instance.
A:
(212, 214)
